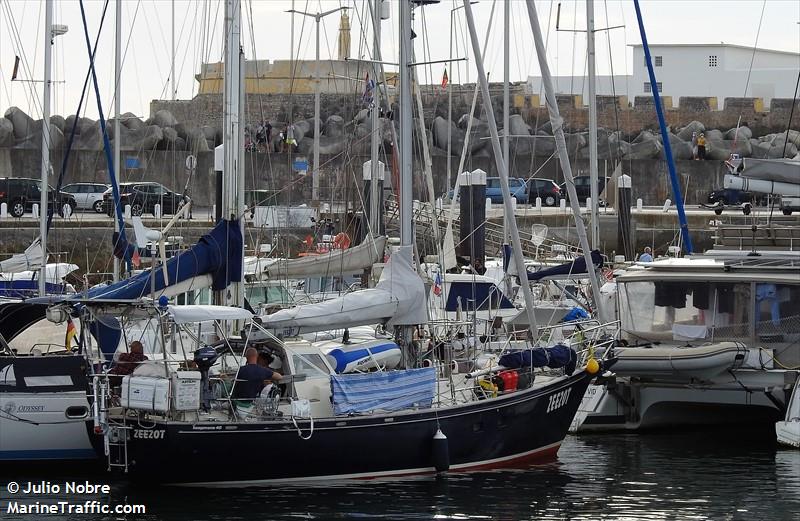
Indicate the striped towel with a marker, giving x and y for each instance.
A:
(384, 391)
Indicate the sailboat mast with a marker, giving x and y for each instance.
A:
(117, 101)
(506, 73)
(502, 168)
(561, 147)
(374, 144)
(593, 174)
(406, 123)
(232, 178)
(48, 50)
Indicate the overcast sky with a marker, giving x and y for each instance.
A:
(147, 38)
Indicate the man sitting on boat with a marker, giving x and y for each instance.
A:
(128, 362)
(252, 377)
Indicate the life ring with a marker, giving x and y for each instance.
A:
(341, 241)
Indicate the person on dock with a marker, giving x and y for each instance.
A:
(701, 146)
(647, 256)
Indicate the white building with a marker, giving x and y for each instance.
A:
(707, 70)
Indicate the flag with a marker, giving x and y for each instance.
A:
(437, 284)
(71, 332)
(445, 79)
(369, 87)
(135, 259)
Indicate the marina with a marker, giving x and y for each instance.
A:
(311, 290)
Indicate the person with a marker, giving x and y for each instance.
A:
(128, 362)
(268, 131)
(701, 146)
(647, 256)
(252, 377)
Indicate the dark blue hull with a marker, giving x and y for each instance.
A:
(508, 431)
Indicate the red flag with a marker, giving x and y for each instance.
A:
(445, 79)
(135, 259)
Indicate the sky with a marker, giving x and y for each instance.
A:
(147, 40)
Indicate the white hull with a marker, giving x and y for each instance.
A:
(35, 426)
(788, 430)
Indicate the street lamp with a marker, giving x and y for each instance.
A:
(315, 171)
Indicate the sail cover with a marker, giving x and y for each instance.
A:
(218, 253)
(576, 267)
(350, 260)
(397, 299)
(383, 391)
(778, 170)
(31, 259)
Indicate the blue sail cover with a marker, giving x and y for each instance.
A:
(218, 253)
(472, 295)
(554, 357)
(575, 267)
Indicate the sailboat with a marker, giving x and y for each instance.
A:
(178, 420)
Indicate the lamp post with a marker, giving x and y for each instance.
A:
(315, 171)
(50, 32)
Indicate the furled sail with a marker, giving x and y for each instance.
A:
(397, 299)
(31, 259)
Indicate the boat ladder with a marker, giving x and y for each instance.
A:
(116, 445)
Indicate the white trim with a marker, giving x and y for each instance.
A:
(367, 475)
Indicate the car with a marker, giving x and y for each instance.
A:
(731, 196)
(583, 188)
(143, 198)
(21, 193)
(517, 186)
(88, 196)
(545, 189)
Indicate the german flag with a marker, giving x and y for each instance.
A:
(71, 332)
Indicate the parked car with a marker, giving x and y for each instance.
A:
(88, 196)
(546, 189)
(516, 186)
(583, 188)
(21, 193)
(732, 196)
(143, 198)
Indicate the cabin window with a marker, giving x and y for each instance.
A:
(777, 309)
(309, 365)
(685, 311)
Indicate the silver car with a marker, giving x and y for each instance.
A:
(88, 196)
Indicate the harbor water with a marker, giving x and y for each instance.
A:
(698, 475)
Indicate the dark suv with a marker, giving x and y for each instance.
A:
(545, 189)
(583, 188)
(21, 193)
(143, 198)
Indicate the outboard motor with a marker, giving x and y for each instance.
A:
(204, 358)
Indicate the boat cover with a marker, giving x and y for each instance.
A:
(398, 299)
(554, 357)
(578, 266)
(17, 316)
(778, 170)
(191, 313)
(30, 259)
(350, 260)
(383, 391)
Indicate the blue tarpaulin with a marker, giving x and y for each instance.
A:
(385, 391)
(554, 357)
(578, 266)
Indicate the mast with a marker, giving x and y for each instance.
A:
(172, 49)
(48, 50)
(593, 174)
(506, 73)
(232, 182)
(315, 171)
(561, 147)
(406, 123)
(673, 174)
(374, 144)
(502, 168)
(117, 102)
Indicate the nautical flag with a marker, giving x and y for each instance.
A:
(437, 284)
(71, 332)
(135, 258)
(445, 79)
(369, 87)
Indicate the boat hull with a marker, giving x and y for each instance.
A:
(511, 431)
